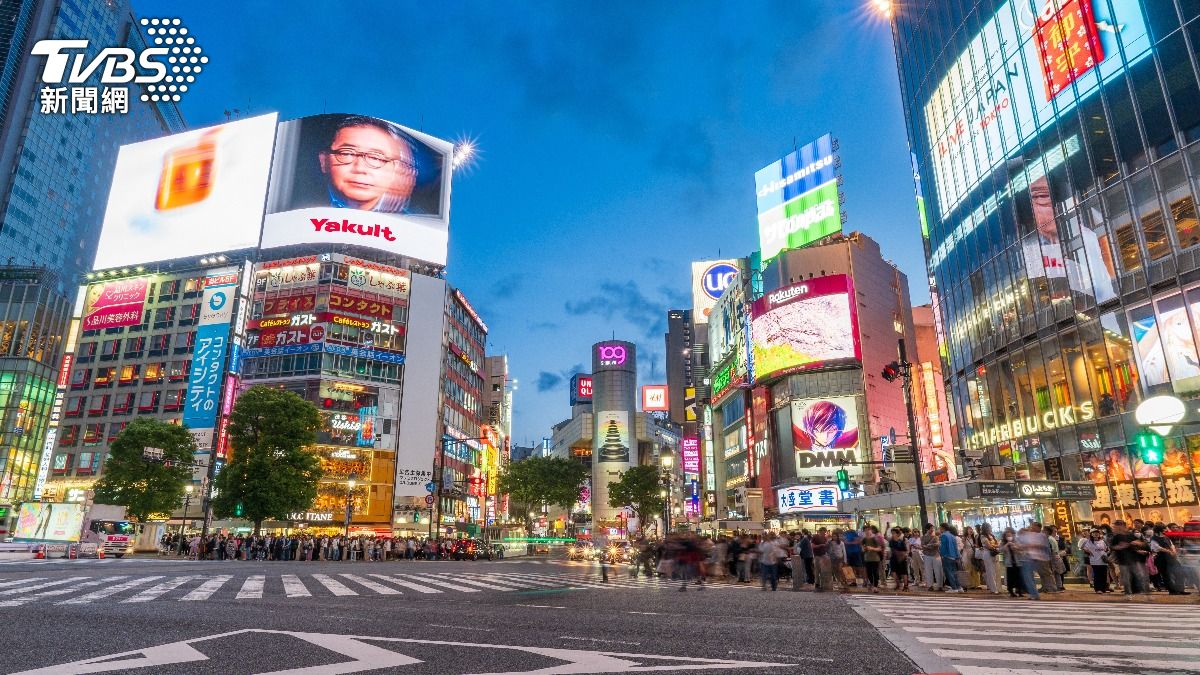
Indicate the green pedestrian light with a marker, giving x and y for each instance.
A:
(843, 480)
(1150, 446)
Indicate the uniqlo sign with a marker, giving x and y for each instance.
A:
(654, 397)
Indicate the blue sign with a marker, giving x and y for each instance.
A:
(207, 376)
(314, 347)
(365, 352)
(430, 486)
(256, 352)
(717, 278)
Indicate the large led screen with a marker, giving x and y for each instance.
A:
(805, 325)
(352, 179)
(798, 199)
(826, 436)
(188, 194)
(44, 521)
(1029, 64)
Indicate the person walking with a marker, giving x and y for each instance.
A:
(854, 553)
(898, 559)
(916, 566)
(1130, 553)
(837, 561)
(987, 550)
(931, 556)
(805, 552)
(769, 555)
(820, 551)
(873, 548)
(1035, 558)
(1096, 550)
(1166, 559)
(951, 559)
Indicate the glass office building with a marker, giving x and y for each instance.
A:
(1057, 165)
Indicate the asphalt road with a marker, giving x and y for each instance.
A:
(176, 617)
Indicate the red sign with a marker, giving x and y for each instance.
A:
(690, 449)
(289, 304)
(1068, 44)
(64, 373)
(284, 336)
(223, 439)
(288, 262)
(343, 302)
(114, 304)
(584, 387)
(654, 398)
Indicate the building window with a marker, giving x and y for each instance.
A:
(74, 407)
(99, 405)
(129, 374)
(168, 290)
(105, 377)
(160, 344)
(86, 352)
(109, 349)
(135, 347)
(93, 434)
(174, 400)
(179, 370)
(188, 342)
(115, 430)
(79, 378)
(70, 436)
(164, 317)
(188, 314)
(154, 373)
(148, 401)
(123, 404)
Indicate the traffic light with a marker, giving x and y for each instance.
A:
(239, 510)
(843, 480)
(417, 517)
(891, 371)
(1150, 446)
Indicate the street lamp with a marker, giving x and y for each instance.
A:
(187, 501)
(350, 483)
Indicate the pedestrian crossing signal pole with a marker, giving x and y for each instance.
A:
(902, 369)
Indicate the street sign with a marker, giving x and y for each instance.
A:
(884, 442)
(892, 435)
(428, 499)
(430, 486)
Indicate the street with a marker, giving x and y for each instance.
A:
(172, 617)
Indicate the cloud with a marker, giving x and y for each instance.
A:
(507, 286)
(543, 325)
(548, 381)
(625, 301)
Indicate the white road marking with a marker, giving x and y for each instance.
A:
(443, 584)
(57, 591)
(377, 587)
(48, 584)
(158, 590)
(18, 582)
(406, 584)
(252, 588)
(336, 587)
(294, 588)
(205, 590)
(111, 590)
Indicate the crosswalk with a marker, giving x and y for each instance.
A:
(989, 636)
(90, 561)
(132, 589)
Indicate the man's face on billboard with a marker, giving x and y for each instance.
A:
(365, 163)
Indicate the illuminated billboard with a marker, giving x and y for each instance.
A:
(352, 179)
(818, 498)
(188, 194)
(1032, 62)
(689, 448)
(825, 435)
(43, 521)
(613, 442)
(805, 325)
(798, 199)
(581, 388)
(654, 398)
(114, 304)
(710, 278)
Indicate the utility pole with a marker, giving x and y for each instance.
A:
(906, 369)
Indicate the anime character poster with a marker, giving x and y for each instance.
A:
(825, 433)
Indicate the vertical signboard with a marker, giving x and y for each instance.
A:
(581, 388)
(208, 357)
(614, 436)
(798, 199)
(60, 393)
(689, 447)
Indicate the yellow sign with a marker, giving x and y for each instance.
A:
(1028, 425)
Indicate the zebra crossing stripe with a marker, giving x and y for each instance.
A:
(406, 584)
(444, 584)
(1083, 632)
(559, 582)
(491, 585)
(111, 590)
(1054, 625)
(156, 591)
(205, 590)
(377, 587)
(521, 578)
(333, 585)
(57, 591)
(47, 584)
(976, 670)
(294, 588)
(1135, 664)
(18, 582)
(1065, 646)
(1029, 613)
(252, 588)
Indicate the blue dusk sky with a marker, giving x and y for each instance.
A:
(618, 142)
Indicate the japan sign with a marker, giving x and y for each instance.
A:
(114, 304)
(343, 302)
(821, 497)
(208, 359)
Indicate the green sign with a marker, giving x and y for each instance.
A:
(720, 381)
(800, 221)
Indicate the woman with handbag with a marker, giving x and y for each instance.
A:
(1096, 550)
(987, 551)
(872, 556)
(1012, 564)
(970, 560)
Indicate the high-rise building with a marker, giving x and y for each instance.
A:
(932, 415)
(680, 340)
(55, 171)
(1058, 163)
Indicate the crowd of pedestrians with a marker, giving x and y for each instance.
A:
(303, 547)
(1029, 562)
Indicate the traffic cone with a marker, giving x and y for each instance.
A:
(39, 553)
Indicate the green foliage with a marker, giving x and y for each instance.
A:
(271, 471)
(542, 480)
(640, 490)
(142, 486)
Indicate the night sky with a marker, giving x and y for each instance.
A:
(619, 142)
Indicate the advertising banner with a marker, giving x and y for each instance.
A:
(710, 278)
(798, 199)
(805, 325)
(581, 388)
(613, 442)
(654, 398)
(1030, 64)
(352, 179)
(819, 498)
(208, 358)
(689, 447)
(350, 304)
(188, 194)
(286, 335)
(43, 521)
(289, 304)
(374, 278)
(825, 434)
(114, 304)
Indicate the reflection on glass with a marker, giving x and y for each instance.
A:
(1148, 345)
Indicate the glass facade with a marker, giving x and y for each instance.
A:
(1058, 156)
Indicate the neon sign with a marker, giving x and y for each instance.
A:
(611, 355)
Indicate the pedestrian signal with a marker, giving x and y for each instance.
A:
(1150, 446)
(843, 480)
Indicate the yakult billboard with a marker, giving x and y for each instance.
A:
(353, 179)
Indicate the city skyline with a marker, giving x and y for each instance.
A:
(759, 96)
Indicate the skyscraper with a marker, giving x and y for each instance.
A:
(55, 170)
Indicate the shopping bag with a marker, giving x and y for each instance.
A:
(847, 575)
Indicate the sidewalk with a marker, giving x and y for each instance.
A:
(1073, 593)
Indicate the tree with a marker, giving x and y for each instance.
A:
(640, 490)
(554, 481)
(146, 486)
(271, 473)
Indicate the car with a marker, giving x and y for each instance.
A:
(541, 548)
(465, 549)
(581, 550)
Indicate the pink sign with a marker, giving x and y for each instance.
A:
(690, 448)
(114, 304)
